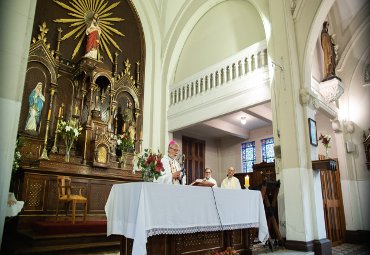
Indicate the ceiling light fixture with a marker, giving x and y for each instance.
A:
(243, 120)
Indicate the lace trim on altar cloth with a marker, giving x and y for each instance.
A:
(178, 231)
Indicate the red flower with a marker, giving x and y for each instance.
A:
(325, 139)
(158, 166)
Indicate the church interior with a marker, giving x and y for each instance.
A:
(277, 89)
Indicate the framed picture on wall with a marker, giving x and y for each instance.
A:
(313, 131)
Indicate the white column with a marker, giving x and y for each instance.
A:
(301, 189)
(16, 28)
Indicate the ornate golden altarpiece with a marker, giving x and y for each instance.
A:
(103, 96)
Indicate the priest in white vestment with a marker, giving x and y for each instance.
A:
(171, 173)
(230, 182)
(208, 176)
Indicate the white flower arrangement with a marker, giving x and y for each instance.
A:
(69, 131)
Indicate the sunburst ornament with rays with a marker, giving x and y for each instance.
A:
(84, 12)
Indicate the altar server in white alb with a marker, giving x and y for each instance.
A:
(230, 182)
(171, 173)
(208, 176)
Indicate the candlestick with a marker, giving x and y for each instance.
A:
(60, 112)
(141, 135)
(246, 181)
(124, 127)
(76, 110)
(49, 114)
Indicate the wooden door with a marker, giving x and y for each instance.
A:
(193, 149)
(333, 205)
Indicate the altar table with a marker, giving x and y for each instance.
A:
(140, 210)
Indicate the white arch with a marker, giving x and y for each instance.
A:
(182, 28)
(149, 20)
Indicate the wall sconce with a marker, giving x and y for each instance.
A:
(243, 120)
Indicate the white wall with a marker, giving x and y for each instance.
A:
(323, 126)
(224, 30)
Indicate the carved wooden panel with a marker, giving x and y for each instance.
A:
(35, 193)
(52, 195)
(98, 195)
(39, 191)
(192, 244)
(203, 241)
(262, 172)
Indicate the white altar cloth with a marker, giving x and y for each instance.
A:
(140, 210)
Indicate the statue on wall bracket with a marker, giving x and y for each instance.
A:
(330, 51)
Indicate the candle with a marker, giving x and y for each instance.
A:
(49, 113)
(76, 110)
(246, 181)
(124, 127)
(60, 112)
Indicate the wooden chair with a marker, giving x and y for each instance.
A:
(66, 197)
(269, 192)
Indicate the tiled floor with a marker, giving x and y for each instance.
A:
(351, 249)
(344, 249)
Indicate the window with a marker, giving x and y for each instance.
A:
(248, 156)
(268, 154)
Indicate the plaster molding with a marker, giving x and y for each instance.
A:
(331, 89)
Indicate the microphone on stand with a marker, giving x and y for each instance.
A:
(183, 170)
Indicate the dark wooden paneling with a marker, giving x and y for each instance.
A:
(194, 151)
(193, 244)
(333, 205)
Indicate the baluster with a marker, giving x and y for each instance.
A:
(196, 87)
(183, 93)
(175, 96)
(211, 81)
(201, 85)
(253, 62)
(240, 67)
(192, 89)
(222, 76)
(246, 65)
(262, 58)
(234, 71)
(227, 73)
(187, 91)
(216, 79)
(258, 60)
(206, 83)
(179, 95)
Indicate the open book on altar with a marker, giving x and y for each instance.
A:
(202, 182)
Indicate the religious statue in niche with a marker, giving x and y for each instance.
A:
(330, 52)
(93, 34)
(36, 102)
(129, 119)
